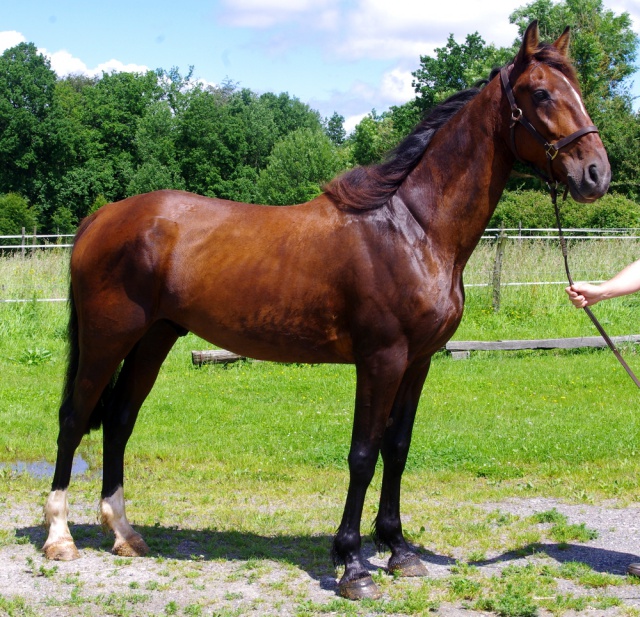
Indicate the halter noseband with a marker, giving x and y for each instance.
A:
(550, 149)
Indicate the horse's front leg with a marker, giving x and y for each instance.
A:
(395, 448)
(377, 384)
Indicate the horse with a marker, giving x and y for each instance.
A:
(368, 273)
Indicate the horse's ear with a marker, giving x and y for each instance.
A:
(530, 42)
(562, 44)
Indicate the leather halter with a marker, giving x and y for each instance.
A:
(551, 149)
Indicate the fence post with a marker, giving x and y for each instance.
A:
(24, 239)
(497, 269)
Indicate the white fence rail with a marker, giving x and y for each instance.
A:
(27, 242)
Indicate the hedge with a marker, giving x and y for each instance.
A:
(533, 209)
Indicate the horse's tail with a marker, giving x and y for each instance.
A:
(73, 358)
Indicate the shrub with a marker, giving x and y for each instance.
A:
(533, 209)
(15, 213)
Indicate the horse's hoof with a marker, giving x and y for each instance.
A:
(134, 546)
(407, 565)
(359, 589)
(62, 550)
(633, 569)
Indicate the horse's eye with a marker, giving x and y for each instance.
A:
(541, 95)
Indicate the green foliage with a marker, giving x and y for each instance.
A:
(15, 214)
(620, 132)
(298, 166)
(531, 209)
(372, 139)
(377, 134)
(335, 129)
(456, 66)
(27, 103)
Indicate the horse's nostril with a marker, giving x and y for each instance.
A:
(593, 173)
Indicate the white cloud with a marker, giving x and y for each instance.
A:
(351, 122)
(396, 86)
(406, 29)
(119, 67)
(63, 63)
(10, 38)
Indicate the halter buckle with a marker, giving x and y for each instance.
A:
(516, 115)
(551, 151)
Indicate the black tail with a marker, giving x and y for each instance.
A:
(73, 361)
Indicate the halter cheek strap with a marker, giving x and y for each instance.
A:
(550, 149)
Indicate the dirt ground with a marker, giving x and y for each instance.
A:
(184, 582)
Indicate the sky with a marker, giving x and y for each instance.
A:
(348, 56)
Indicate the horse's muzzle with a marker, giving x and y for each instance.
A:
(589, 180)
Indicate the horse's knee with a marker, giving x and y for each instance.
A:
(362, 463)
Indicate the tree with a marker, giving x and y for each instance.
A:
(335, 129)
(298, 167)
(211, 142)
(372, 138)
(290, 114)
(27, 87)
(377, 134)
(455, 67)
(156, 150)
(620, 132)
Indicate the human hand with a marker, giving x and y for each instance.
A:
(583, 294)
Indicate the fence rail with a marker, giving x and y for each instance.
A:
(35, 241)
(29, 241)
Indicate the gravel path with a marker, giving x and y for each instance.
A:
(184, 583)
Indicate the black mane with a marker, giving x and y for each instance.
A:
(370, 187)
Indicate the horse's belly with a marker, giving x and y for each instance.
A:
(273, 332)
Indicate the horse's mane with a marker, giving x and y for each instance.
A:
(371, 187)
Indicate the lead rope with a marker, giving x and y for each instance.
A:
(563, 245)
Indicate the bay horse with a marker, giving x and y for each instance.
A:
(368, 273)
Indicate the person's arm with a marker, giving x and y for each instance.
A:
(627, 281)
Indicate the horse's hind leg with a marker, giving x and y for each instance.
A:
(135, 381)
(75, 420)
(394, 450)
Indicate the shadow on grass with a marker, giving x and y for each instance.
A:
(598, 559)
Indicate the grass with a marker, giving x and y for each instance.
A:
(253, 456)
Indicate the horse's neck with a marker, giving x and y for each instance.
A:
(455, 188)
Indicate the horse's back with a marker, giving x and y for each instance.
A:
(266, 281)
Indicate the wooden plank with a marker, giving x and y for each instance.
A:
(214, 356)
(220, 356)
(551, 343)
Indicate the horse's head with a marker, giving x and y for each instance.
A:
(551, 128)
